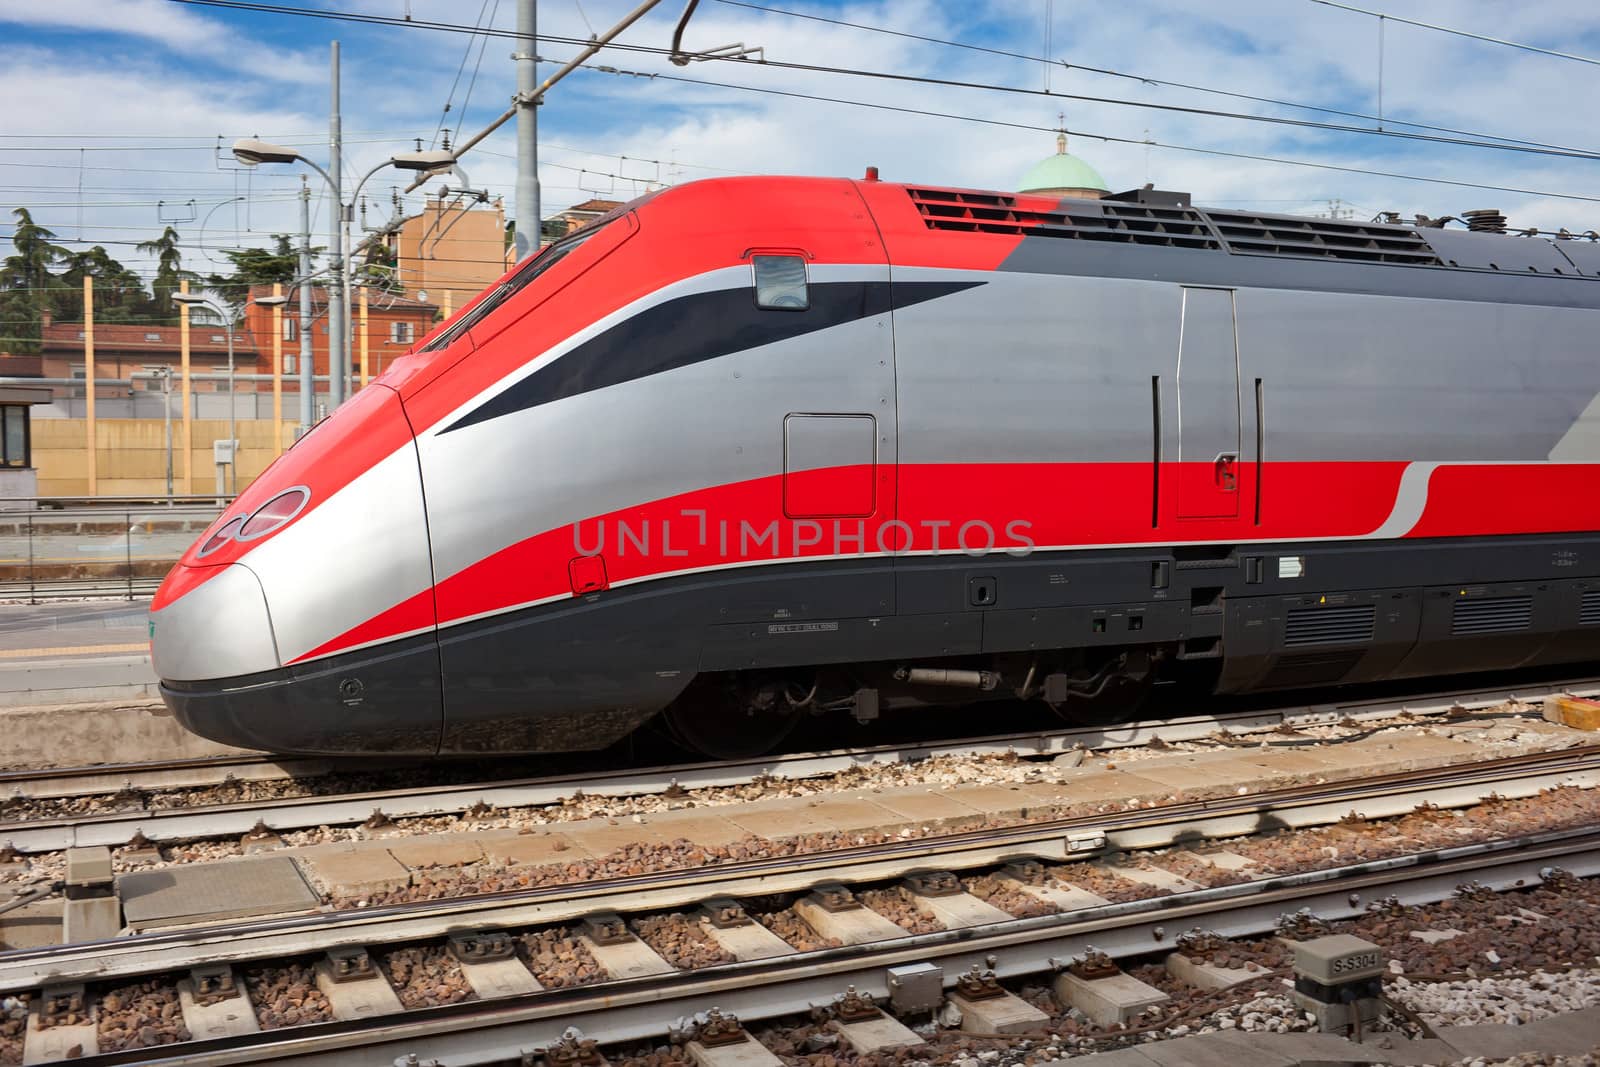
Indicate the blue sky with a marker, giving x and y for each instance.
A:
(115, 106)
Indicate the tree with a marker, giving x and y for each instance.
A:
(169, 269)
(257, 266)
(26, 285)
(119, 294)
(380, 269)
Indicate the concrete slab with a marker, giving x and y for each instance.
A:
(746, 1053)
(709, 831)
(357, 872)
(200, 891)
(1155, 876)
(94, 919)
(816, 816)
(875, 1035)
(32, 925)
(362, 998)
(499, 978)
(1200, 1052)
(1299, 1048)
(630, 959)
(1568, 1034)
(1009, 1014)
(1004, 801)
(751, 941)
(232, 1017)
(602, 840)
(1209, 975)
(532, 850)
(962, 909)
(920, 807)
(130, 726)
(858, 926)
(1109, 1001)
(441, 850)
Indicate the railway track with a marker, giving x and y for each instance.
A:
(195, 821)
(628, 1006)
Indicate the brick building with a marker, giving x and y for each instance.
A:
(394, 324)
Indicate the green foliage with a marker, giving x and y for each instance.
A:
(257, 266)
(169, 270)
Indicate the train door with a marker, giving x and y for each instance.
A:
(1208, 406)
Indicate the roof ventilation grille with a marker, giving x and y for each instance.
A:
(964, 211)
(1289, 235)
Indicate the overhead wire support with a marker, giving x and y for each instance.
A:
(533, 98)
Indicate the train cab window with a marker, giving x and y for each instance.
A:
(781, 282)
(549, 257)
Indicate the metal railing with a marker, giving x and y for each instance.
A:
(57, 547)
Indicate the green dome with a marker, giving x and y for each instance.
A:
(1062, 171)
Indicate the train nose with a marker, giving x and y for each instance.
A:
(218, 628)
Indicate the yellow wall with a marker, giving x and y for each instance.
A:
(132, 454)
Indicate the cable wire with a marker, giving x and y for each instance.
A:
(1465, 142)
(1383, 15)
(1143, 79)
(657, 76)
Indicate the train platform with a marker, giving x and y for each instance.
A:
(77, 687)
(59, 653)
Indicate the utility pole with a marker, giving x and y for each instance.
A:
(336, 323)
(308, 380)
(527, 218)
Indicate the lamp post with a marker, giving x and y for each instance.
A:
(252, 152)
(193, 299)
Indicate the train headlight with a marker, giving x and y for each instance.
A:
(224, 534)
(275, 513)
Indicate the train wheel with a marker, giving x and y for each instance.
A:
(729, 723)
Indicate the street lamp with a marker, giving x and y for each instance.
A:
(196, 299)
(252, 152)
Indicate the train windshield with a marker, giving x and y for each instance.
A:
(536, 266)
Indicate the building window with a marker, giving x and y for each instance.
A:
(291, 329)
(14, 436)
(781, 282)
(400, 333)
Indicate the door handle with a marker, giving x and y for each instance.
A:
(1224, 469)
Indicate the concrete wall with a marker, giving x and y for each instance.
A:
(17, 482)
(131, 454)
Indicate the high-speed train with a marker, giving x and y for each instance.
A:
(752, 448)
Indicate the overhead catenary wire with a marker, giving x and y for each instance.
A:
(1144, 79)
(1470, 140)
(1385, 16)
(1010, 124)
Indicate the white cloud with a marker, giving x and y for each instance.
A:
(170, 26)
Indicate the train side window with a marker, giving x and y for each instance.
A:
(781, 282)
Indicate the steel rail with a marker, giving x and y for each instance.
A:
(292, 813)
(479, 1033)
(1298, 807)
